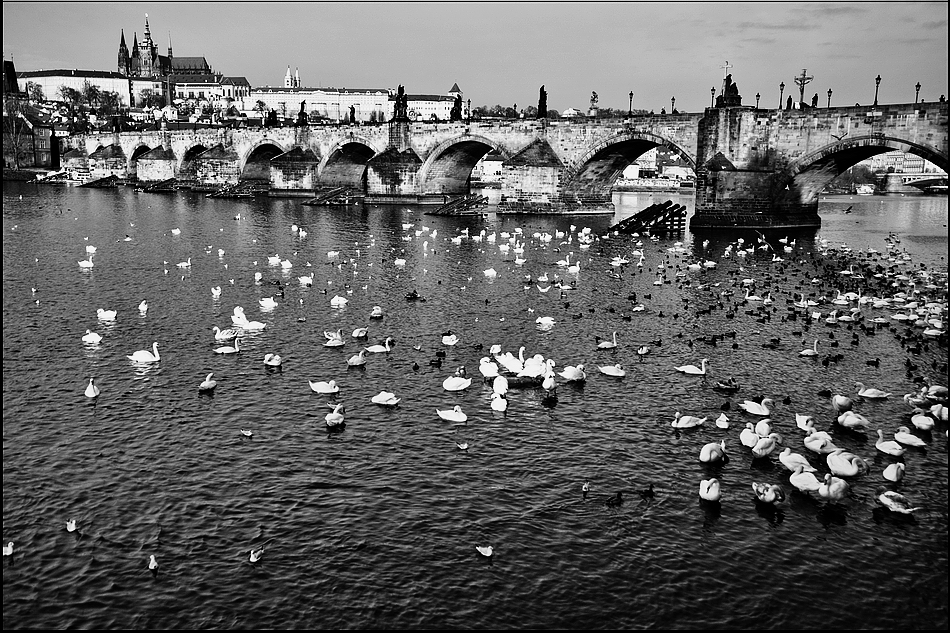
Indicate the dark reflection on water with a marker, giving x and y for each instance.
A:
(375, 525)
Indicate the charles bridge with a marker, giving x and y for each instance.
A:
(754, 167)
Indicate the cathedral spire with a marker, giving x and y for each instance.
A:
(148, 34)
(135, 44)
(169, 45)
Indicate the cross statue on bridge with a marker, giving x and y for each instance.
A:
(801, 81)
(725, 73)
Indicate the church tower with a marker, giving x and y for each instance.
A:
(123, 55)
(288, 79)
(296, 77)
(169, 46)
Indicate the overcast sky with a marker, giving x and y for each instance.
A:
(502, 52)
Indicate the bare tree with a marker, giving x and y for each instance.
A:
(34, 91)
(14, 128)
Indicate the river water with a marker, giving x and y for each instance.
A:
(376, 525)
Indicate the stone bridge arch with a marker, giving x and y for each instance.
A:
(802, 180)
(187, 168)
(137, 150)
(448, 167)
(255, 165)
(599, 166)
(344, 164)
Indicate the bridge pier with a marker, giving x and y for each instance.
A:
(739, 183)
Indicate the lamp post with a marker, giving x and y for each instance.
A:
(829, 97)
(781, 93)
(877, 84)
(917, 94)
(757, 95)
(672, 104)
(712, 96)
(630, 112)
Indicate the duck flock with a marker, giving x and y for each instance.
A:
(832, 299)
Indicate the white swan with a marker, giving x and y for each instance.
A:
(91, 337)
(681, 421)
(335, 417)
(106, 315)
(896, 502)
(360, 332)
(185, 264)
(338, 302)
(457, 382)
(757, 408)
(485, 551)
(894, 472)
(804, 480)
(710, 490)
(455, 414)
(713, 453)
(499, 402)
(227, 349)
(145, 356)
(143, 307)
(386, 399)
(380, 349)
(768, 493)
(870, 392)
(357, 359)
(905, 437)
(92, 391)
(377, 313)
(323, 386)
(499, 385)
(152, 563)
(86, 263)
(449, 339)
(693, 370)
(613, 370)
(208, 384)
(722, 421)
(607, 344)
(224, 335)
(252, 325)
(763, 427)
(747, 436)
(852, 420)
(810, 351)
(833, 489)
(841, 403)
(805, 422)
(846, 464)
(791, 461)
(216, 291)
(268, 302)
(819, 442)
(765, 445)
(272, 360)
(487, 368)
(890, 447)
(921, 420)
(573, 373)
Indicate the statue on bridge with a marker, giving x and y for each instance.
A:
(456, 112)
(730, 94)
(543, 104)
(302, 115)
(401, 107)
(814, 101)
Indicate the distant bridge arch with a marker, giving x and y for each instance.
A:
(344, 165)
(601, 165)
(448, 167)
(803, 180)
(255, 165)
